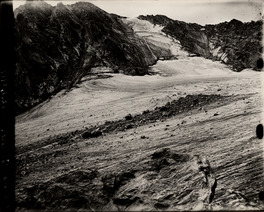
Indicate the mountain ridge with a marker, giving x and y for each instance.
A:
(57, 46)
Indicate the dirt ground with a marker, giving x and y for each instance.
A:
(128, 143)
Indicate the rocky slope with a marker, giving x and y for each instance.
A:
(235, 43)
(56, 46)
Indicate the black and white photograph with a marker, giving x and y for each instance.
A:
(138, 105)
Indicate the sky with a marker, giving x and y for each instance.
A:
(192, 11)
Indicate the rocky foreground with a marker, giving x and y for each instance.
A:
(148, 160)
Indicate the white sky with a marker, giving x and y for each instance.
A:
(195, 11)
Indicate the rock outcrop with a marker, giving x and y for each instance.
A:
(234, 43)
(56, 46)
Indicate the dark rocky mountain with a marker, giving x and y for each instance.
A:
(57, 46)
(235, 43)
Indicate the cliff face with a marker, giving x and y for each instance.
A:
(56, 46)
(235, 43)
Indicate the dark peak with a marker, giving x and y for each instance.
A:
(117, 16)
(60, 5)
(232, 22)
(63, 14)
(87, 6)
(84, 4)
(36, 5)
(31, 7)
(235, 21)
(156, 19)
(164, 21)
(88, 10)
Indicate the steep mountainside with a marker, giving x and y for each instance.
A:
(235, 43)
(56, 46)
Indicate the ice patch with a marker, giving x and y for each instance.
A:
(142, 25)
(192, 66)
(153, 34)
